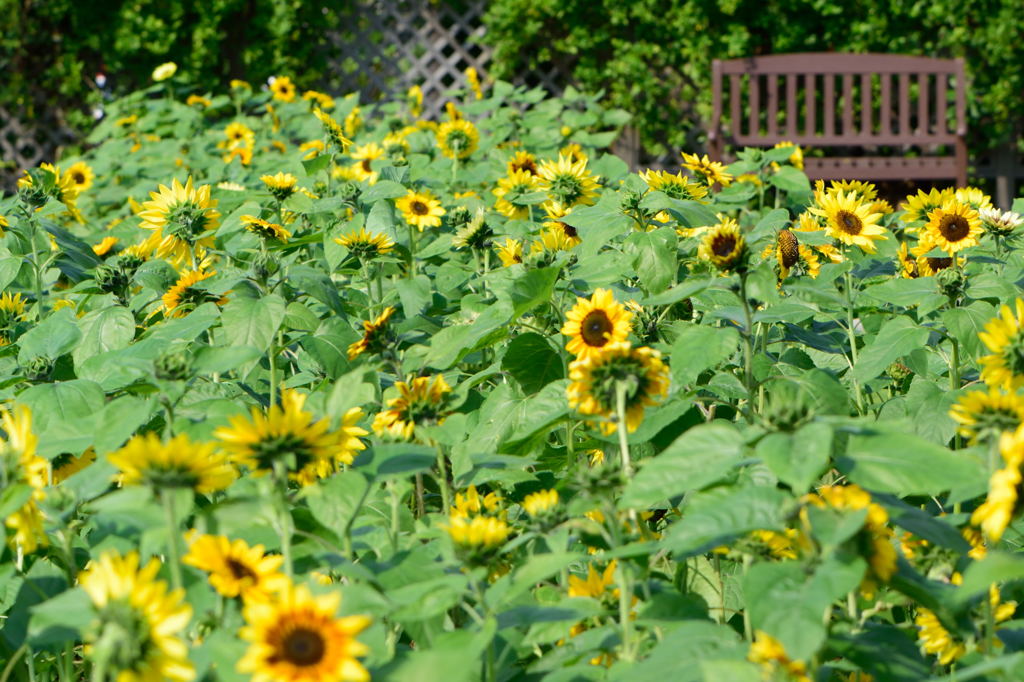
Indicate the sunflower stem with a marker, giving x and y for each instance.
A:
(748, 348)
(411, 272)
(748, 630)
(625, 599)
(442, 479)
(282, 515)
(173, 551)
(620, 413)
(990, 627)
(848, 289)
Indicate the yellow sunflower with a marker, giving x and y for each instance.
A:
(18, 457)
(953, 227)
(283, 89)
(265, 229)
(178, 463)
(319, 99)
(420, 209)
(796, 159)
(365, 155)
(935, 639)
(66, 465)
(239, 135)
(198, 101)
(510, 252)
(849, 221)
(917, 206)
(555, 211)
(787, 252)
(907, 264)
(288, 436)
(723, 245)
(522, 161)
(312, 148)
(457, 139)
(185, 296)
(596, 378)
(414, 98)
(235, 568)
(568, 182)
(105, 245)
(862, 191)
(594, 323)
(478, 532)
(12, 308)
(422, 401)
(137, 622)
(710, 172)
(298, 638)
(1002, 335)
(551, 239)
(81, 176)
(353, 122)
(973, 197)
(509, 190)
(184, 217)
(333, 129)
(541, 502)
(1003, 500)
(364, 244)
(374, 335)
(47, 182)
(677, 186)
(281, 186)
(986, 414)
(769, 653)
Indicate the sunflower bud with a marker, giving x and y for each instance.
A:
(110, 278)
(38, 369)
(174, 366)
(458, 216)
(348, 191)
(787, 407)
(951, 281)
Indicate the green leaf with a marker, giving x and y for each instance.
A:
(335, 501)
(964, 324)
(888, 459)
(677, 657)
(888, 653)
(700, 347)
(654, 257)
(63, 618)
(64, 412)
(415, 294)
(384, 189)
(679, 292)
(104, 330)
(799, 458)
(719, 516)
(51, 338)
(791, 180)
(899, 336)
(532, 289)
(532, 362)
(995, 568)
(316, 164)
(253, 321)
(699, 457)
(452, 343)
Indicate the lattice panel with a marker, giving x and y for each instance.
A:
(26, 145)
(395, 45)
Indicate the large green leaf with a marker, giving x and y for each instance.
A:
(104, 330)
(799, 458)
(720, 515)
(699, 347)
(253, 321)
(532, 361)
(898, 337)
(51, 338)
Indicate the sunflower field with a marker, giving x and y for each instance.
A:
(298, 389)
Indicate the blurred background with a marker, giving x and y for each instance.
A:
(62, 59)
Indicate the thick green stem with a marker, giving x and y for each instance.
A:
(620, 413)
(411, 271)
(625, 603)
(173, 551)
(748, 348)
(442, 479)
(848, 289)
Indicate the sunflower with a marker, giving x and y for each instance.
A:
(420, 209)
(472, 502)
(510, 252)
(420, 402)
(396, 145)
(848, 220)
(907, 264)
(375, 336)
(953, 227)
(596, 379)
(281, 186)
(710, 172)
(287, 435)
(312, 148)
(12, 308)
(862, 191)
(568, 182)
(769, 653)
(723, 245)
(18, 457)
(522, 161)
(796, 159)
(353, 122)
(363, 244)
(183, 216)
(178, 463)
(67, 465)
(540, 503)
(551, 239)
(235, 568)
(333, 129)
(999, 224)
(320, 100)
(198, 101)
(104, 246)
(917, 206)
(874, 540)
(243, 154)
(986, 414)
(1002, 335)
(164, 71)
(239, 135)
(509, 191)
(478, 532)
(298, 638)
(365, 155)
(264, 229)
(676, 186)
(476, 234)
(283, 89)
(185, 296)
(414, 98)
(473, 80)
(47, 182)
(1004, 487)
(457, 139)
(80, 175)
(973, 197)
(138, 623)
(593, 324)
(927, 266)
(555, 211)
(596, 584)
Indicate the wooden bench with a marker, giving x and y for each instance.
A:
(881, 101)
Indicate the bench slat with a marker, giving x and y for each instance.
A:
(773, 104)
(811, 102)
(885, 107)
(923, 126)
(865, 104)
(848, 105)
(755, 105)
(830, 105)
(792, 113)
(904, 127)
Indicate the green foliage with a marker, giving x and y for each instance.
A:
(653, 58)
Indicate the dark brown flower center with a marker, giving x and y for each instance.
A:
(78, 177)
(366, 165)
(303, 647)
(849, 222)
(239, 570)
(596, 328)
(937, 264)
(527, 165)
(954, 227)
(569, 230)
(723, 245)
(419, 208)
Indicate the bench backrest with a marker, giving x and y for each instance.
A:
(794, 97)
